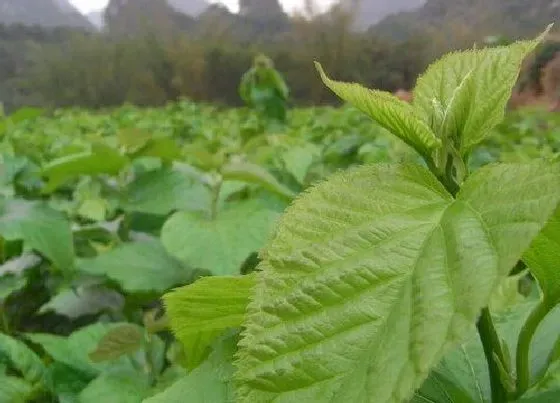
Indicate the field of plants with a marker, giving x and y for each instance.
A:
(104, 213)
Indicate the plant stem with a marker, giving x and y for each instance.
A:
(491, 344)
(215, 198)
(524, 346)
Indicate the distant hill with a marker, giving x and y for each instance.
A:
(476, 18)
(97, 18)
(370, 12)
(190, 7)
(46, 13)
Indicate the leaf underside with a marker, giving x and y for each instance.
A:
(361, 293)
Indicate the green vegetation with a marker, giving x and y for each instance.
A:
(344, 256)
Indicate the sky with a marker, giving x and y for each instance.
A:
(86, 6)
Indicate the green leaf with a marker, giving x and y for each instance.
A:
(22, 358)
(74, 350)
(299, 159)
(388, 111)
(41, 228)
(252, 173)
(101, 159)
(10, 284)
(464, 94)
(126, 387)
(66, 383)
(85, 300)
(139, 267)
(163, 191)
(464, 370)
(164, 148)
(201, 311)
(132, 139)
(222, 244)
(208, 383)
(369, 280)
(121, 340)
(552, 396)
(543, 259)
(14, 390)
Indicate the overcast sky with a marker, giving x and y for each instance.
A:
(86, 6)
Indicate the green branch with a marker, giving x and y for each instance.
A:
(524, 346)
(491, 344)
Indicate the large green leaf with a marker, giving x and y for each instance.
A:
(139, 267)
(373, 275)
(41, 228)
(120, 387)
(22, 358)
(464, 94)
(208, 383)
(100, 159)
(163, 191)
(203, 310)
(388, 111)
(74, 350)
(543, 259)
(221, 244)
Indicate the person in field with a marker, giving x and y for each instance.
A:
(263, 88)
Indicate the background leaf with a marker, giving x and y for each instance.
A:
(101, 159)
(85, 300)
(219, 245)
(123, 339)
(139, 267)
(41, 228)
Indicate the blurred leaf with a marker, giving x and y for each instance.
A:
(251, 173)
(165, 148)
(9, 284)
(120, 340)
(41, 228)
(85, 300)
(101, 159)
(163, 191)
(139, 267)
(22, 358)
(133, 139)
(120, 387)
(74, 350)
(221, 244)
(298, 160)
(14, 390)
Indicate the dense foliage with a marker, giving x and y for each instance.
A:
(102, 213)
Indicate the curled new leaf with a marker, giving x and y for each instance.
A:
(388, 111)
(464, 94)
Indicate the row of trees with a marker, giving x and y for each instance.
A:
(155, 66)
